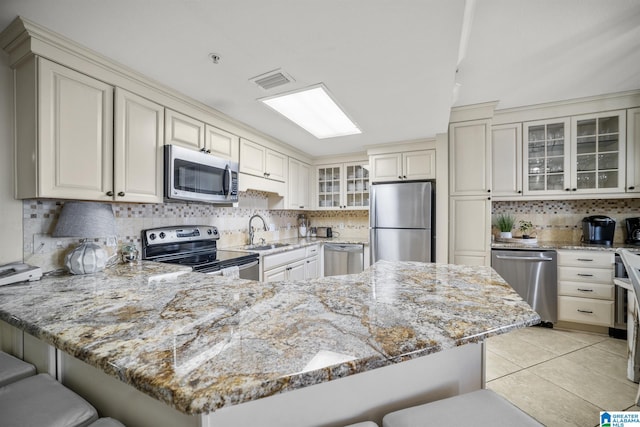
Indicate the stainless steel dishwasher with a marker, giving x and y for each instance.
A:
(533, 275)
(343, 258)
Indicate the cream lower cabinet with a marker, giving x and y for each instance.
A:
(585, 287)
(412, 165)
(69, 146)
(296, 264)
(298, 194)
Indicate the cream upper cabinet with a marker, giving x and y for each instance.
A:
(633, 151)
(506, 160)
(470, 230)
(546, 157)
(598, 152)
(221, 143)
(183, 130)
(298, 196)
(470, 153)
(343, 186)
(138, 155)
(64, 133)
(412, 165)
(258, 160)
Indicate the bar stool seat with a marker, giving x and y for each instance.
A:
(363, 424)
(479, 408)
(107, 422)
(13, 369)
(40, 400)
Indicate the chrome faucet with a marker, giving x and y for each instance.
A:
(264, 226)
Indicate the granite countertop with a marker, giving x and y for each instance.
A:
(301, 242)
(199, 342)
(562, 245)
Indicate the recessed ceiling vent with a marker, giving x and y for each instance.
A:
(272, 79)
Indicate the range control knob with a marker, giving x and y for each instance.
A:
(209, 231)
(162, 235)
(152, 236)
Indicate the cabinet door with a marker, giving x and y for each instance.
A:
(546, 157)
(470, 157)
(183, 130)
(277, 274)
(506, 160)
(298, 194)
(221, 143)
(138, 156)
(470, 230)
(419, 165)
(386, 167)
(275, 165)
(252, 158)
(355, 186)
(328, 186)
(598, 152)
(633, 151)
(312, 268)
(75, 135)
(296, 271)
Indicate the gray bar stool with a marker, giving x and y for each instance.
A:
(13, 369)
(479, 409)
(363, 424)
(107, 422)
(40, 400)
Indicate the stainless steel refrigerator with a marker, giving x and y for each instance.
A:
(401, 222)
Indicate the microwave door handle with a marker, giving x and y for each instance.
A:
(226, 183)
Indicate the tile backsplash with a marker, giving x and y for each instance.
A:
(40, 216)
(561, 220)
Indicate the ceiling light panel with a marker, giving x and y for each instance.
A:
(314, 110)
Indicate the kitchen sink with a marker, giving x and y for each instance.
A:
(266, 247)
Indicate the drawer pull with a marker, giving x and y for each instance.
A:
(585, 311)
(585, 259)
(585, 290)
(585, 275)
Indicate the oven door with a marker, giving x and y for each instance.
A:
(196, 176)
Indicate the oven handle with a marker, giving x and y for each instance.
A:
(228, 178)
(240, 267)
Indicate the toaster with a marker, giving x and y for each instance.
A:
(324, 232)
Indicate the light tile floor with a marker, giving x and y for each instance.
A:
(561, 377)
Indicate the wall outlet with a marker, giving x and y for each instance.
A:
(341, 225)
(43, 243)
(112, 241)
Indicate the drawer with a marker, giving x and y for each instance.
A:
(592, 275)
(282, 258)
(586, 290)
(312, 250)
(585, 310)
(592, 259)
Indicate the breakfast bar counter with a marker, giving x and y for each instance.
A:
(204, 345)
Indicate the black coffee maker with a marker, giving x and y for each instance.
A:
(598, 229)
(633, 231)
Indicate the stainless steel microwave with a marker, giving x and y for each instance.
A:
(200, 177)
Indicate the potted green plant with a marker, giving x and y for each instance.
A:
(505, 223)
(525, 228)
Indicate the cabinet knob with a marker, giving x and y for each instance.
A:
(109, 193)
(519, 191)
(632, 188)
(489, 191)
(203, 150)
(121, 194)
(488, 198)
(399, 176)
(404, 176)
(567, 189)
(574, 189)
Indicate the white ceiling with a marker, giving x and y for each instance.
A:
(390, 64)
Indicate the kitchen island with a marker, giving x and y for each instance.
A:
(221, 351)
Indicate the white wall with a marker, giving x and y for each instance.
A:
(10, 209)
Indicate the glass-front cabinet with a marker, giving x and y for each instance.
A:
(343, 186)
(581, 154)
(599, 153)
(546, 156)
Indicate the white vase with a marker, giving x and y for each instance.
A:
(506, 235)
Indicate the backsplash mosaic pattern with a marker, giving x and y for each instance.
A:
(40, 216)
(561, 220)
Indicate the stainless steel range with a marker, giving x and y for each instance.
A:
(196, 246)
